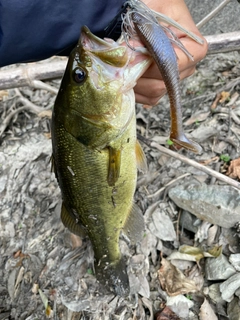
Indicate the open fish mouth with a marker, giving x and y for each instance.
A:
(111, 61)
(109, 51)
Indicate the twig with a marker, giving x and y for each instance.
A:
(212, 14)
(8, 118)
(168, 184)
(190, 162)
(28, 105)
(44, 86)
(230, 85)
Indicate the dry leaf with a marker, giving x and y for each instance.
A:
(176, 255)
(3, 93)
(212, 232)
(215, 251)
(197, 117)
(166, 314)
(209, 161)
(47, 135)
(45, 114)
(206, 312)
(20, 254)
(234, 169)
(233, 99)
(173, 280)
(48, 309)
(35, 288)
(193, 251)
(198, 253)
(215, 102)
(224, 96)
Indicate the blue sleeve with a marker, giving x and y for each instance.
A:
(32, 30)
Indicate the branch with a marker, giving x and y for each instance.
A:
(190, 162)
(27, 75)
(28, 105)
(225, 42)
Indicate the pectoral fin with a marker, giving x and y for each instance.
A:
(141, 158)
(70, 222)
(134, 225)
(114, 166)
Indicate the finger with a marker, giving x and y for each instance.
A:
(198, 52)
(152, 72)
(187, 72)
(150, 91)
(150, 87)
(150, 101)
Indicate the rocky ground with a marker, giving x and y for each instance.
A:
(189, 257)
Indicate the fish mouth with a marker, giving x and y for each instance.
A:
(107, 50)
(92, 42)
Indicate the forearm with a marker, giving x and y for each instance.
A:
(32, 30)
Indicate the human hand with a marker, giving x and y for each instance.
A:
(150, 87)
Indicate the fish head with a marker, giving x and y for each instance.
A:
(99, 73)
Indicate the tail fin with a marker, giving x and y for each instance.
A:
(114, 277)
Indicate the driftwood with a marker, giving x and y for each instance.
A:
(225, 42)
(29, 74)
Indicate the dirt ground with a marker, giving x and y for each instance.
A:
(46, 272)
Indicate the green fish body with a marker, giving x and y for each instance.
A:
(95, 151)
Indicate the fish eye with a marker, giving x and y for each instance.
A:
(79, 75)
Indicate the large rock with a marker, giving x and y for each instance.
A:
(216, 204)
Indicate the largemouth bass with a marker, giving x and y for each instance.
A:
(95, 151)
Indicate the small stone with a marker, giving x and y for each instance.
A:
(234, 259)
(180, 305)
(162, 226)
(229, 287)
(3, 183)
(233, 309)
(218, 268)
(187, 221)
(10, 229)
(215, 294)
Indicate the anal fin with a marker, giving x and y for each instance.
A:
(141, 158)
(134, 225)
(70, 222)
